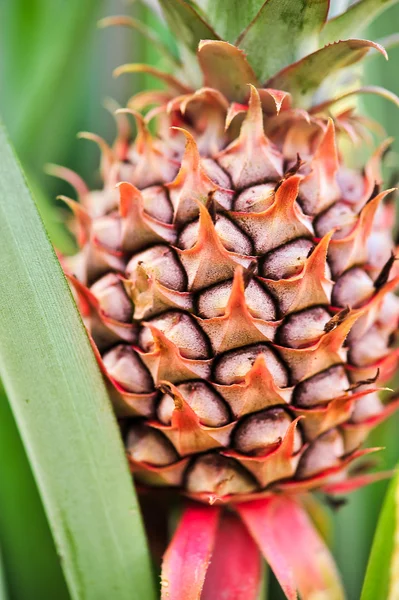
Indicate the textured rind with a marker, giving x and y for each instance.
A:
(247, 288)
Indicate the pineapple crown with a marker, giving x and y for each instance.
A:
(243, 42)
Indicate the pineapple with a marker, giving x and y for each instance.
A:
(237, 278)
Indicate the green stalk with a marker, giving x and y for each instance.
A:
(62, 410)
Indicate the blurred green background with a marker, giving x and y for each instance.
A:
(55, 72)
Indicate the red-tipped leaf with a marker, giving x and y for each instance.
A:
(187, 557)
(235, 569)
(291, 545)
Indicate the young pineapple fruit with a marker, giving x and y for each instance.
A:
(236, 275)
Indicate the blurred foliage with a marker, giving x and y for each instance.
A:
(31, 565)
(55, 72)
(385, 74)
(3, 584)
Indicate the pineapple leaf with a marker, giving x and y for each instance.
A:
(185, 22)
(31, 564)
(3, 587)
(265, 39)
(230, 23)
(382, 569)
(299, 558)
(304, 77)
(354, 20)
(226, 69)
(62, 409)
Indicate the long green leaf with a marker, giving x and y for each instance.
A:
(382, 576)
(265, 41)
(62, 409)
(229, 23)
(354, 20)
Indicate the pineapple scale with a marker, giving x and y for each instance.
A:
(239, 288)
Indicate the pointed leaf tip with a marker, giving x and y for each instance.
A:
(69, 176)
(172, 82)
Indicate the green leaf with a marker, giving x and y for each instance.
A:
(186, 23)
(354, 20)
(304, 77)
(63, 411)
(230, 23)
(30, 560)
(278, 22)
(383, 567)
(3, 587)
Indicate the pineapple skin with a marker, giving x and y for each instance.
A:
(237, 280)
